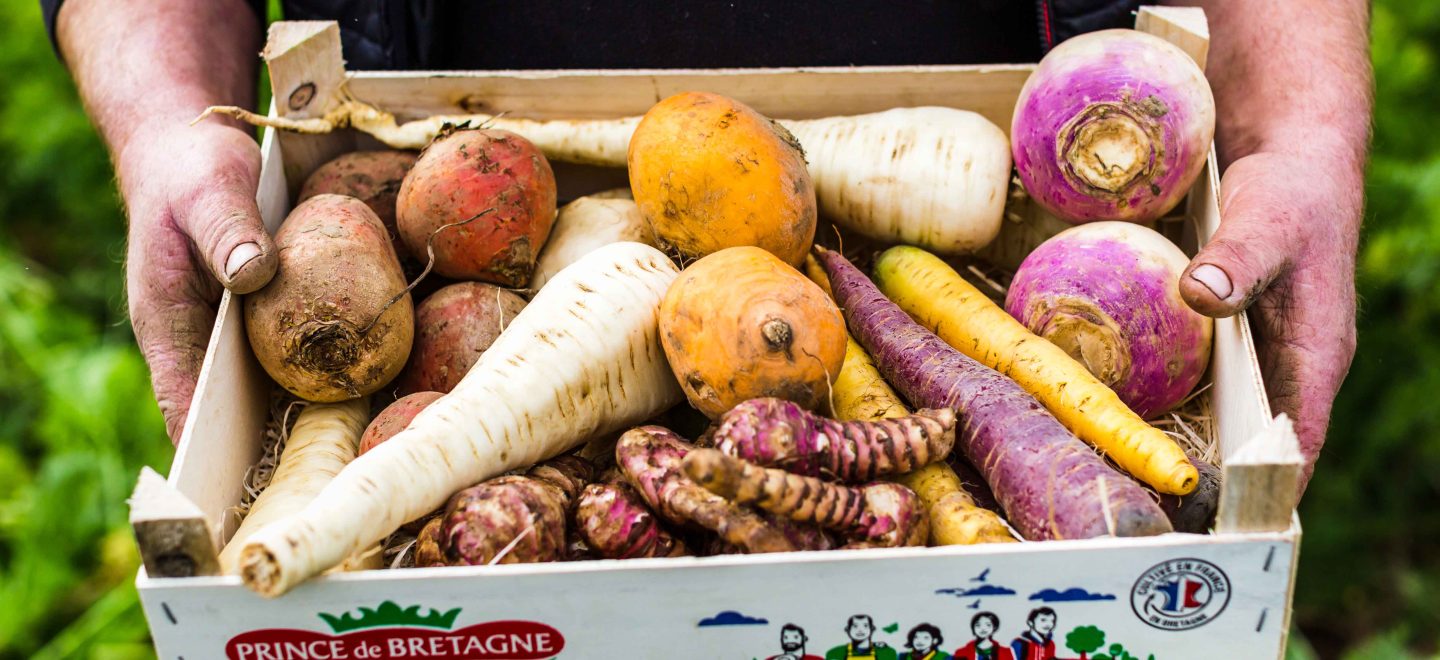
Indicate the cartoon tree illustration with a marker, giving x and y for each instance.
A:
(1085, 639)
(1116, 652)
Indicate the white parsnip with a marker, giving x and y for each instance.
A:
(585, 225)
(325, 439)
(930, 176)
(582, 359)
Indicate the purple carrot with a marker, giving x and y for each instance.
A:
(1051, 485)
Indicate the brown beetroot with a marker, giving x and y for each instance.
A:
(329, 326)
(779, 433)
(1195, 513)
(452, 328)
(460, 175)
(507, 520)
(881, 514)
(394, 418)
(372, 177)
(651, 456)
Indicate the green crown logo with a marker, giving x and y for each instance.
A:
(390, 614)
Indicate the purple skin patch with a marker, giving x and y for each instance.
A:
(1122, 305)
(1118, 108)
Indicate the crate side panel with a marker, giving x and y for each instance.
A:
(787, 93)
(1198, 599)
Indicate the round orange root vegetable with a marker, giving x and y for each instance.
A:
(740, 325)
(452, 328)
(709, 173)
(333, 323)
(394, 418)
(461, 175)
(372, 177)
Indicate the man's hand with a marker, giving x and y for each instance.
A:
(1287, 244)
(194, 226)
(145, 68)
(1292, 90)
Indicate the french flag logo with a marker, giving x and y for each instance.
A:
(1182, 595)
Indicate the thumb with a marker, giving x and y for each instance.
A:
(224, 223)
(1250, 249)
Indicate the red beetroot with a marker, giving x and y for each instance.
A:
(1113, 125)
(460, 175)
(1051, 485)
(394, 418)
(452, 328)
(1108, 293)
(372, 177)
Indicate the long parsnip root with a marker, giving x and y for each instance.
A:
(955, 519)
(326, 437)
(775, 432)
(651, 458)
(507, 520)
(582, 359)
(942, 301)
(880, 514)
(929, 176)
(614, 522)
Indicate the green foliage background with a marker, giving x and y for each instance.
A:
(77, 419)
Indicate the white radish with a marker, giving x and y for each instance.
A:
(583, 359)
(586, 224)
(929, 176)
(325, 438)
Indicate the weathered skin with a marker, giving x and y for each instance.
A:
(1109, 294)
(1051, 485)
(880, 514)
(452, 328)
(775, 432)
(651, 456)
(372, 177)
(314, 327)
(462, 174)
(480, 522)
(614, 522)
(1113, 125)
(394, 418)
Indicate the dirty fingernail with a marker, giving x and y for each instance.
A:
(1214, 279)
(243, 254)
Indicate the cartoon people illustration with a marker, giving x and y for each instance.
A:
(1037, 642)
(924, 643)
(984, 646)
(792, 644)
(860, 628)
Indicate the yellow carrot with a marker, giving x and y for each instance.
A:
(942, 301)
(955, 519)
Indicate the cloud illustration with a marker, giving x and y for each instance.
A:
(732, 618)
(1071, 594)
(982, 590)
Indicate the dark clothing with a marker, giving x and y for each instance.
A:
(594, 34)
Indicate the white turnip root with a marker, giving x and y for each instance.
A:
(582, 359)
(1113, 125)
(1108, 293)
(932, 177)
(586, 224)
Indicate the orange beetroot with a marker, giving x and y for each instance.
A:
(394, 418)
(462, 174)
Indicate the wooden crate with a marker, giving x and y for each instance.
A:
(1225, 594)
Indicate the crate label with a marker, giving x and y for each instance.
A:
(388, 631)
